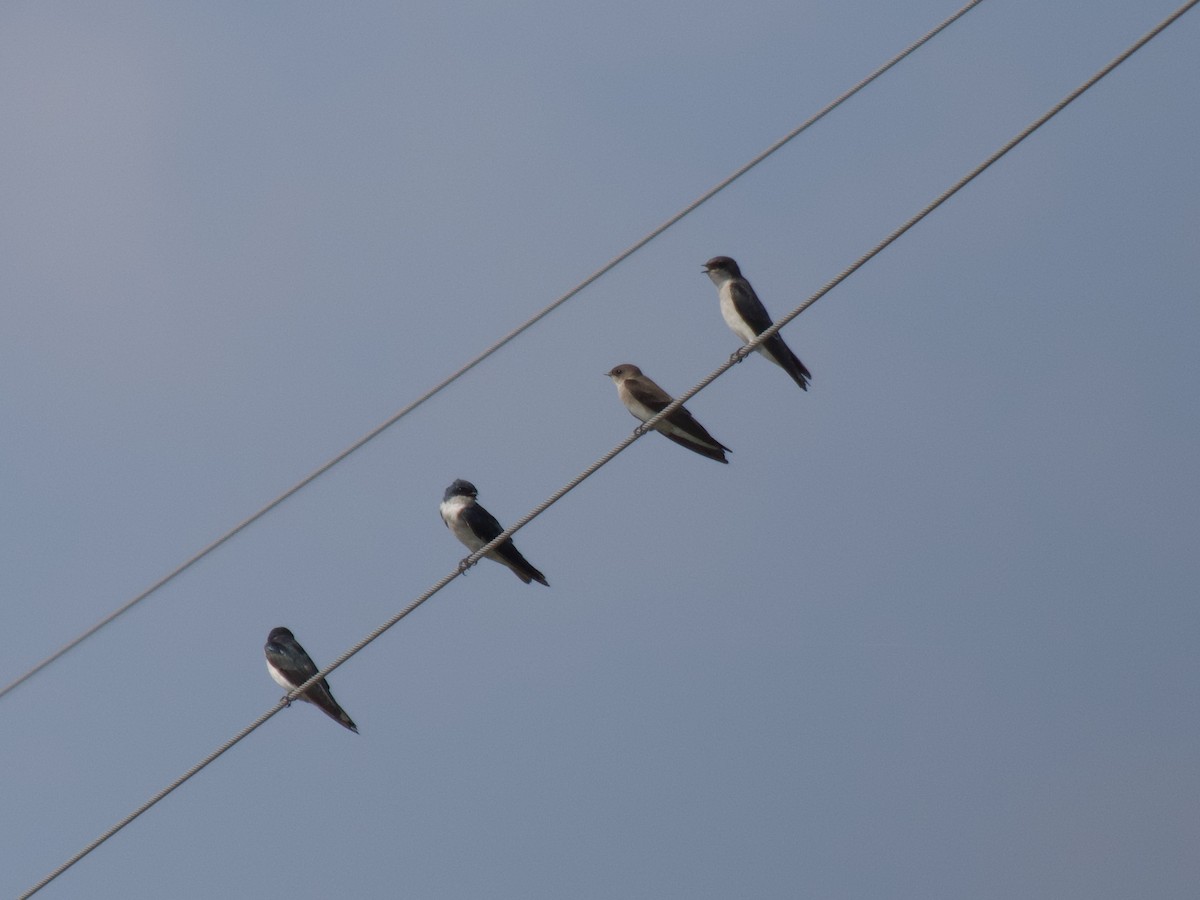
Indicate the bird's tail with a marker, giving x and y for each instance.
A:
(324, 701)
(523, 568)
(792, 365)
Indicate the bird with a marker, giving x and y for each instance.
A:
(476, 527)
(748, 318)
(645, 399)
(290, 666)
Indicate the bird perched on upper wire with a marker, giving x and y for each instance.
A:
(645, 399)
(476, 527)
(748, 318)
(290, 666)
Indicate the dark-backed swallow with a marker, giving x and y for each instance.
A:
(645, 399)
(476, 527)
(290, 666)
(748, 318)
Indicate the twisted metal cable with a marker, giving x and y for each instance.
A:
(619, 448)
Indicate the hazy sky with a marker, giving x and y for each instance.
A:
(931, 634)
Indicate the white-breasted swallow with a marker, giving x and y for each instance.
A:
(748, 318)
(476, 527)
(290, 666)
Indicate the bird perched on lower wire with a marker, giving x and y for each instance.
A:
(476, 527)
(748, 318)
(290, 666)
(645, 399)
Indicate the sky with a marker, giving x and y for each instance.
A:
(930, 634)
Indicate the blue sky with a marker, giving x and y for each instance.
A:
(930, 634)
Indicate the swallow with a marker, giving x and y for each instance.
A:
(290, 666)
(645, 399)
(476, 527)
(748, 318)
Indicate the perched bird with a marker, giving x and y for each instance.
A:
(645, 399)
(748, 318)
(475, 527)
(290, 666)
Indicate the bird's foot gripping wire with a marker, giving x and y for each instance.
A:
(737, 356)
(464, 564)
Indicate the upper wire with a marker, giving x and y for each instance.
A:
(637, 433)
(466, 367)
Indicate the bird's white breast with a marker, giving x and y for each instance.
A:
(452, 511)
(279, 679)
(729, 311)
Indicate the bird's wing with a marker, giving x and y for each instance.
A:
(749, 307)
(482, 522)
(646, 392)
(292, 662)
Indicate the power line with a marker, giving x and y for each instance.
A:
(466, 367)
(637, 433)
